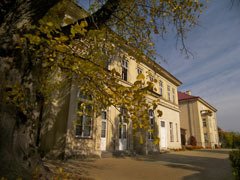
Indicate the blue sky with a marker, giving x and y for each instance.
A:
(214, 72)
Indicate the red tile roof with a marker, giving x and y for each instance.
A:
(185, 96)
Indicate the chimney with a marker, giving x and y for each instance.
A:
(189, 92)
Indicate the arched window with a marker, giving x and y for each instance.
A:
(84, 122)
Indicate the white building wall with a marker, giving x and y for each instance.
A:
(170, 115)
(169, 108)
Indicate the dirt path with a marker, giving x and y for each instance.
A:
(204, 164)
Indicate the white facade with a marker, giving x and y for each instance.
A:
(198, 119)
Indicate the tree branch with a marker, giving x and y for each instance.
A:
(98, 18)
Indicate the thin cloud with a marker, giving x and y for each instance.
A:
(214, 72)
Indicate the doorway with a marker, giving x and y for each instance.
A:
(122, 136)
(104, 131)
(163, 136)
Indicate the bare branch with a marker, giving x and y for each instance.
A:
(98, 18)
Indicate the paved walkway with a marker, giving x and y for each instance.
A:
(186, 165)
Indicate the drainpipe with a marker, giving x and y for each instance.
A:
(189, 119)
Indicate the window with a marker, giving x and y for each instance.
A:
(160, 87)
(173, 95)
(204, 122)
(84, 121)
(162, 124)
(151, 79)
(125, 70)
(122, 124)
(176, 132)
(123, 117)
(171, 131)
(169, 93)
(151, 122)
(206, 137)
(139, 70)
(122, 131)
(104, 115)
(104, 124)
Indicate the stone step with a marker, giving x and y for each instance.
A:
(123, 153)
(106, 154)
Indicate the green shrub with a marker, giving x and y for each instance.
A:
(234, 157)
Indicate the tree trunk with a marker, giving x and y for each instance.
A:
(17, 141)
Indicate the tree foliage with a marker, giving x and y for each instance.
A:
(39, 56)
(64, 58)
(140, 21)
(234, 157)
(229, 139)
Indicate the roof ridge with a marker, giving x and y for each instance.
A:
(184, 96)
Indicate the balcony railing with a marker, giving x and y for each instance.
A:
(206, 113)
